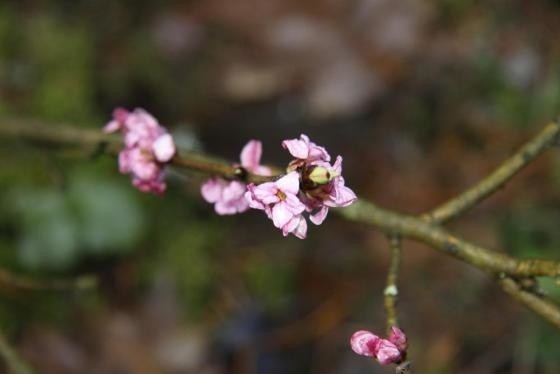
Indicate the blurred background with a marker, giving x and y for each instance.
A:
(422, 98)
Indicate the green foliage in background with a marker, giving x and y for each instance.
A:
(271, 282)
(188, 255)
(59, 227)
(530, 231)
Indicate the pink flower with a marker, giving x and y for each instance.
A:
(280, 202)
(148, 147)
(311, 184)
(228, 197)
(251, 158)
(305, 151)
(322, 183)
(386, 351)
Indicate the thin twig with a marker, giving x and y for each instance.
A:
(64, 135)
(442, 240)
(10, 280)
(539, 304)
(391, 291)
(487, 186)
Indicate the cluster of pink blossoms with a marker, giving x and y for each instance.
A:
(148, 147)
(386, 351)
(228, 197)
(311, 185)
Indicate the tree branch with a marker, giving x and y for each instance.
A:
(539, 304)
(442, 240)
(487, 186)
(361, 211)
(68, 136)
(421, 229)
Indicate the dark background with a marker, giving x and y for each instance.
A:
(422, 98)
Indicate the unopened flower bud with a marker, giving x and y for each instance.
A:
(364, 343)
(398, 338)
(321, 175)
(386, 352)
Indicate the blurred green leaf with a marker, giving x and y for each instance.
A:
(107, 217)
(94, 216)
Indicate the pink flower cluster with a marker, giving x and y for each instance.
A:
(324, 186)
(386, 351)
(148, 147)
(311, 185)
(228, 197)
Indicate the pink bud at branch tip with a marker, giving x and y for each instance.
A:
(385, 351)
(364, 343)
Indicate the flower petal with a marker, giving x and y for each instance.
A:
(344, 196)
(224, 209)
(120, 114)
(294, 204)
(318, 153)
(320, 216)
(124, 161)
(363, 343)
(142, 117)
(112, 126)
(291, 225)
(398, 338)
(155, 186)
(250, 197)
(211, 190)
(337, 166)
(297, 148)
(266, 193)
(387, 353)
(281, 215)
(289, 184)
(262, 170)
(301, 229)
(164, 148)
(142, 166)
(234, 191)
(251, 155)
